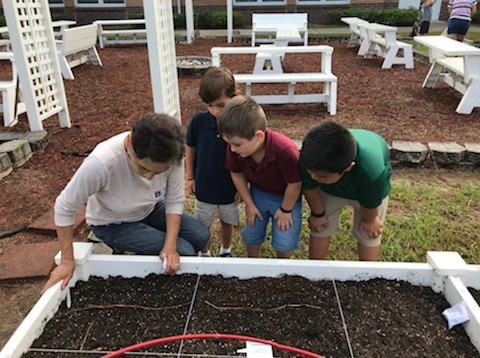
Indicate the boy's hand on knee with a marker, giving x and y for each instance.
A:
(317, 224)
(191, 187)
(237, 198)
(284, 220)
(374, 229)
(252, 212)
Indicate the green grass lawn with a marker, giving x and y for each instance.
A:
(421, 218)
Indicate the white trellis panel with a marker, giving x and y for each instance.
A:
(189, 21)
(162, 58)
(33, 44)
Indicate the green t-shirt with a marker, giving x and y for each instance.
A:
(369, 180)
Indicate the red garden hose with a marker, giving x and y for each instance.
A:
(211, 336)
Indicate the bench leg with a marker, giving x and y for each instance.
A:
(291, 92)
(94, 57)
(391, 58)
(364, 45)
(470, 99)
(331, 90)
(8, 104)
(353, 40)
(248, 89)
(432, 76)
(65, 68)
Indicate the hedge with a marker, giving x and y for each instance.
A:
(394, 17)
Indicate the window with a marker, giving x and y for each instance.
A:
(259, 2)
(103, 3)
(55, 3)
(322, 2)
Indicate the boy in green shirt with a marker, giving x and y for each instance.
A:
(345, 167)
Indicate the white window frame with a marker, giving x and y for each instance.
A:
(323, 2)
(100, 3)
(57, 5)
(259, 3)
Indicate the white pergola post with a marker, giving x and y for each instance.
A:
(33, 44)
(189, 21)
(229, 21)
(162, 57)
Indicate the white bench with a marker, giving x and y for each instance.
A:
(120, 32)
(395, 52)
(77, 47)
(324, 75)
(456, 64)
(355, 34)
(10, 90)
(273, 23)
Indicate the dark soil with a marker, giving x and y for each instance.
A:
(383, 318)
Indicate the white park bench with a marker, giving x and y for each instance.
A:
(395, 52)
(12, 105)
(324, 75)
(456, 64)
(355, 34)
(286, 27)
(121, 32)
(77, 47)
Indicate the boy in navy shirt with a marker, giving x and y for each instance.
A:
(269, 162)
(207, 177)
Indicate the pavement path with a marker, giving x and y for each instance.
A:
(435, 27)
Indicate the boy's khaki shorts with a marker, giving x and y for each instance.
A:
(333, 206)
(228, 213)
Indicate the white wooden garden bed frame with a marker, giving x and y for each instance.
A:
(445, 272)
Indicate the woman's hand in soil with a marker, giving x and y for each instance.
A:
(373, 229)
(252, 212)
(284, 220)
(64, 272)
(173, 261)
(317, 224)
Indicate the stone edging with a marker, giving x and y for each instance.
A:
(16, 148)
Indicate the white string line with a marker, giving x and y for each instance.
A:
(154, 354)
(344, 323)
(190, 311)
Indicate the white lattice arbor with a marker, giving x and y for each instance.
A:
(33, 44)
(162, 58)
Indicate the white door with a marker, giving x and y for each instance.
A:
(404, 4)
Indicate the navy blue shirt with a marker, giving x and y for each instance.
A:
(213, 183)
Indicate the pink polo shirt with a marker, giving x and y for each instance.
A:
(278, 167)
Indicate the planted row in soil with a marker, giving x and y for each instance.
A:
(383, 318)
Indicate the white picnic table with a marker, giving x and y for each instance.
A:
(286, 35)
(373, 31)
(352, 22)
(456, 64)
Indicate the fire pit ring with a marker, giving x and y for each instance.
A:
(194, 66)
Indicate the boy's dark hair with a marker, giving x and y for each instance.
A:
(159, 138)
(328, 147)
(242, 117)
(215, 83)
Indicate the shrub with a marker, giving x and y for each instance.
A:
(476, 18)
(179, 21)
(2, 21)
(136, 16)
(217, 20)
(394, 17)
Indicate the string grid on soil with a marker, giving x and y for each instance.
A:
(382, 317)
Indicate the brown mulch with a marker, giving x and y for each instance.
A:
(105, 101)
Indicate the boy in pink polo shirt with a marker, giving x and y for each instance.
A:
(269, 162)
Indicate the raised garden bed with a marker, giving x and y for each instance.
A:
(386, 308)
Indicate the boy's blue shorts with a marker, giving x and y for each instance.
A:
(458, 26)
(268, 204)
